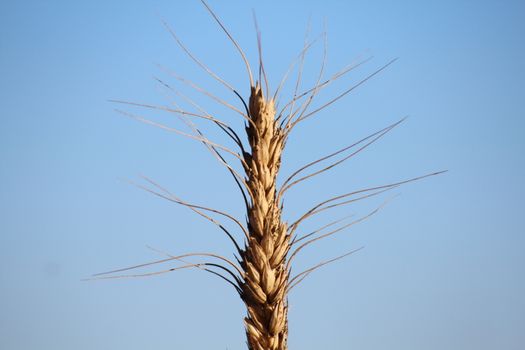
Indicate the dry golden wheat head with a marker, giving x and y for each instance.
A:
(261, 274)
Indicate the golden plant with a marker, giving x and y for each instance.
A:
(262, 273)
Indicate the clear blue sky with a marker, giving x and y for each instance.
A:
(444, 262)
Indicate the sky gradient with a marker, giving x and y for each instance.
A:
(443, 265)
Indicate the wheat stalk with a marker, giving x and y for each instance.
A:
(262, 274)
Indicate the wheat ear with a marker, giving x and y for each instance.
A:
(264, 290)
(261, 274)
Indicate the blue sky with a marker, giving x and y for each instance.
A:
(443, 263)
